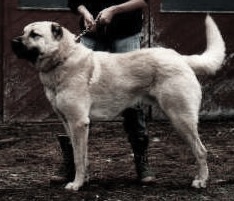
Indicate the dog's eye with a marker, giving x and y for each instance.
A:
(34, 35)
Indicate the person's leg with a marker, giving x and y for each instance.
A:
(128, 44)
(95, 45)
(134, 119)
(134, 124)
(66, 171)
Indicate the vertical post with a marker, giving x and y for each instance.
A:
(1, 59)
(149, 23)
(150, 115)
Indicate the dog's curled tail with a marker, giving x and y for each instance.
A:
(211, 60)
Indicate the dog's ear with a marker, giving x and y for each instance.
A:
(57, 31)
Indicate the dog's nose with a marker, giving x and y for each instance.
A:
(16, 43)
(18, 46)
(16, 40)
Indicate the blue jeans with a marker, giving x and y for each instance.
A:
(115, 46)
(134, 118)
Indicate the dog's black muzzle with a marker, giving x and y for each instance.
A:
(22, 51)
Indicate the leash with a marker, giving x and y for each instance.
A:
(84, 32)
(77, 38)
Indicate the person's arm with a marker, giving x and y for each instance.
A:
(73, 4)
(89, 21)
(78, 7)
(106, 15)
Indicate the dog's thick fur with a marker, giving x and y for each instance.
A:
(83, 84)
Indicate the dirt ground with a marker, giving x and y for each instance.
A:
(29, 155)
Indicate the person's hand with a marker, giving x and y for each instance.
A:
(89, 22)
(106, 15)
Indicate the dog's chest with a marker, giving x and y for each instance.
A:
(51, 87)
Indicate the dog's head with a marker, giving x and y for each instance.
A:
(39, 39)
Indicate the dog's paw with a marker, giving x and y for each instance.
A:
(73, 186)
(199, 183)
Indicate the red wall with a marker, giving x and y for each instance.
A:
(22, 97)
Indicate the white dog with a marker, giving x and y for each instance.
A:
(82, 84)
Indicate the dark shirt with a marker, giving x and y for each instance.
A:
(121, 26)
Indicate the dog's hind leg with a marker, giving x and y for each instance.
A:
(182, 108)
(187, 128)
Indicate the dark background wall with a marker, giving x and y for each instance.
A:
(185, 32)
(198, 5)
(21, 94)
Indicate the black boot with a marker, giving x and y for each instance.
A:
(134, 124)
(139, 146)
(66, 172)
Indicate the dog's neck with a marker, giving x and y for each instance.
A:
(56, 58)
(50, 67)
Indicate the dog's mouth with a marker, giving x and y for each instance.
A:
(23, 52)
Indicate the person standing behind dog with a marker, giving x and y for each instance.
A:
(114, 26)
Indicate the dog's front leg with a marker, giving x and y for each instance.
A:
(79, 137)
